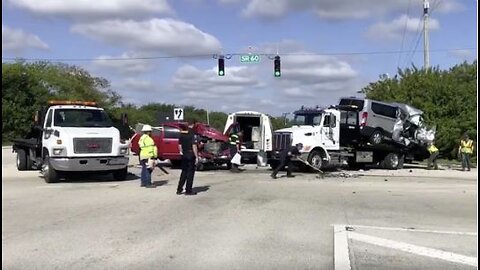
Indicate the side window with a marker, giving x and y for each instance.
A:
(333, 120)
(352, 118)
(326, 121)
(343, 117)
(172, 133)
(156, 132)
(377, 108)
(48, 123)
(385, 110)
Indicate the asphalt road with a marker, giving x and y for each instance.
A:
(240, 221)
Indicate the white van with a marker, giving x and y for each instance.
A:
(257, 135)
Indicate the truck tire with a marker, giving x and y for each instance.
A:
(391, 161)
(49, 174)
(21, 160)
(376, 137)
(316, 159)
(120, 175)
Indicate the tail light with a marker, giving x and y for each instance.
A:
(363, 121)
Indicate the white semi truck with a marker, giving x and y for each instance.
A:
(331, 137)
(72, 136)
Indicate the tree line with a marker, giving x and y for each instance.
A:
(447, 97)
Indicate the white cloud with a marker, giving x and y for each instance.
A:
(194, 82)
(394, 30)
(93, 9)
(124, 64)
(167, 36)
(334, 9)
(462, 54)
(17, 41)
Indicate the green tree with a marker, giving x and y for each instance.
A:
(28, 86)
(447, 97)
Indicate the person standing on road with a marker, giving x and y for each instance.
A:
(286, 159)
(188, 149)
(148, 151)
(465, 150)
(234, 141)
(433, 156)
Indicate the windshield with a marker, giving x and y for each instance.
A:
(310, 119)
(81, 118)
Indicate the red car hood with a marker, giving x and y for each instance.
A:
(209, 132)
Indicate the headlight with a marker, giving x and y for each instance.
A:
(123, 151)
(58, 151)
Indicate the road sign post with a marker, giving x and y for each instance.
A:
(178, 114)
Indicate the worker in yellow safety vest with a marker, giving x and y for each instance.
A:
(148, 155)
(465, 150)
(433, 156)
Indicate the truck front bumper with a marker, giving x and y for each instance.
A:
(89, 163)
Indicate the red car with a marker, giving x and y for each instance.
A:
(212, 144)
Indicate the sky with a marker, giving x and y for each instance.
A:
(164, 51)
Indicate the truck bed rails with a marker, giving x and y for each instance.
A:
(30, 143)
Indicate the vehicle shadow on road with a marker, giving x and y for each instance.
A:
(160, 183)
(200, 189)
(92, 178)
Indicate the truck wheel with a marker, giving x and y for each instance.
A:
(21, 160)
(316, 159)
(120, 175)
(376, 137)
(49, 174)
(391, 161)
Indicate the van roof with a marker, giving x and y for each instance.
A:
(248, 112)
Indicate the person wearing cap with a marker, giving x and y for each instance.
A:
(148, 150)
(286, 159)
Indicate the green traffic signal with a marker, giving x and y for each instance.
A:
(277, 73)
(221, 73)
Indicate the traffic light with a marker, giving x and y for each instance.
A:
(276, 66)
(221, 66)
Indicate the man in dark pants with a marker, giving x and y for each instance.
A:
(188, 149)
(286, 159)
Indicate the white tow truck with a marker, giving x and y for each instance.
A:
(72, 136)
(331, 137)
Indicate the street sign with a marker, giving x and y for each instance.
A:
(250, 58)
(178, 114)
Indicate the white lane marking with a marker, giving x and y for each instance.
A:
(411, 230)
(419, 250)
(341, 257)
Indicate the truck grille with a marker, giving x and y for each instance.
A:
(92, 145)
(281, 140)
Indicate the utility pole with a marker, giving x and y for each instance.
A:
(208, 119)
(426, 53)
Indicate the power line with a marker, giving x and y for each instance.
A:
(404, 31)
(229, 54)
